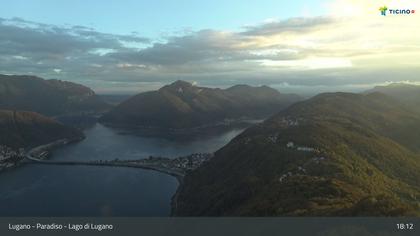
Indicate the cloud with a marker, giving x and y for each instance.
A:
(292, 25)
(41, 41)
(206, 46)
(318, 53)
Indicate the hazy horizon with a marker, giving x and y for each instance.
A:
(341, 139)
(304, 47)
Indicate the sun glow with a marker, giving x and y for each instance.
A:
(344, 8)
(309, 63)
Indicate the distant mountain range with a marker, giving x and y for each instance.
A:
(19, 129)
(406, 93)
(336, 154)
(48, 97)
(183, 105)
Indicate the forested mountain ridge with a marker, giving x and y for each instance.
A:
(336, 154)
(183, 105)
(47, 97)
(21, 129)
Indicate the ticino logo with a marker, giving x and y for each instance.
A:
(384, 10)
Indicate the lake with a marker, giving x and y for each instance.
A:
(44, 190)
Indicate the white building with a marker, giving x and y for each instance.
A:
(290, 145)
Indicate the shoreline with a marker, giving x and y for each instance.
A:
(222, 124)
(177, 174)
(174, 198)
(41, 153)
(38, 150)
(11, 166)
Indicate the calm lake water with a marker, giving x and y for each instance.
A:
(43, 190)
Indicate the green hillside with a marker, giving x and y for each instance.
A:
(406, 93)
(29, 129)
(336, 154)
(48, 97)
(182, 105)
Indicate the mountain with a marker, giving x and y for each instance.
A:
(336, 154)
(20, 129)
(406, 93)
(183, 105)
(114, 99)
(48, 97)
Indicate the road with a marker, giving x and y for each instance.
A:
(176, 172)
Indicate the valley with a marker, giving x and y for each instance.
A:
(240, 151)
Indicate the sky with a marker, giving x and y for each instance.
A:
(127, 46)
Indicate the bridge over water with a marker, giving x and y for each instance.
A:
(142, 164)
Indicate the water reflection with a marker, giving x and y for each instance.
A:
(39, 190)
